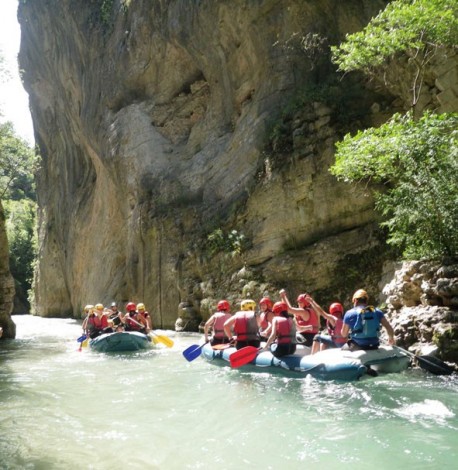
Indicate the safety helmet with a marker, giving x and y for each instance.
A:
(131, 307)
(266, 301)
(223, 306)
(336, 308)
(140, 306)
(99, 306)
(279, 307)
(360, 294)
(303, 298)
(114, 304)
(88, 307)
(248, 304)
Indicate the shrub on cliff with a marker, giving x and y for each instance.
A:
(417, 164)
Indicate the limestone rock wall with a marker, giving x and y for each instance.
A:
(153, 119)
(6, 284)
(422, 301)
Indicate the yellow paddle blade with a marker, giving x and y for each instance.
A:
(164, 340)
(85, 343)
(154, 339)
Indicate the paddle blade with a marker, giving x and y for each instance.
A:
(434, 365)
(154, 339)
(243, 356)
(193, 352)
(81, 338)
(85, 343)
(164, 340)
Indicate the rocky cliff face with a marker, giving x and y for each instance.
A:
(7, 326)
(177, 167)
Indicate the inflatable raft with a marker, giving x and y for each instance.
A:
(120, 341)
(331, 364)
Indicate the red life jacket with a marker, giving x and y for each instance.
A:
(246, 326)
(265, 318)
(98, 323)
(313, 320)
(286, 333)
(218, 326)
(336, 331)
(133, 325)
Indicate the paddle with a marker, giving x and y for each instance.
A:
(161, 338)
(194, 351)
(429, 363)
(81, 340)
(243, 356)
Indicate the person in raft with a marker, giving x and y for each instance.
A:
(245, 326)
(334, 324)
(144, 317)
(217, 321)
(266, 316)
(96, 322)
(362, 323)
(132, 320)
(306, 318)
(116, 317)
(282, 339)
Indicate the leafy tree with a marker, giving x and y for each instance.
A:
(17, 192)
(22, 240)
(404, 25)
(406, 28)
(416, 164)
(16, 165)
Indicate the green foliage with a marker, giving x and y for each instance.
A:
(404, 25)
(16, 165)
(105, 11)
(17, 191)
(417, 162)
(233, 242)
(22, 239)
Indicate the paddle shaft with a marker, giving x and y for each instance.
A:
(433, 365)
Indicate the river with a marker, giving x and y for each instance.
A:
(66, 409)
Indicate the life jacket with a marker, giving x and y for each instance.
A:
(336, 331)
(313, 320)
(218, 325)
(133, 325)
(264, 317)
(97, 323)
(367, 324)
(246, 326)
(286, 332)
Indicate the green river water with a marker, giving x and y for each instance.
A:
(64, 409)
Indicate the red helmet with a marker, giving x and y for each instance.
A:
(336, 308)
(131, 307)
(279, 307)
(266, 301)
(303, 298)
(223, 306)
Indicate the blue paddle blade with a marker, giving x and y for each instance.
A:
(81, 338)
(193, 352)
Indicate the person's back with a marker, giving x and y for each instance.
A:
(282, 340)
(216, 322)
(245, 326)
(362, 323)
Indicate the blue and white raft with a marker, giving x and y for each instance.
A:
(120, 341)
(330, 364)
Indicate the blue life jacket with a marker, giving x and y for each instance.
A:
(367, 324)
